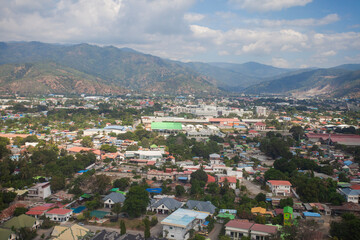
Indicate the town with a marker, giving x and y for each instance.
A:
(179, 167)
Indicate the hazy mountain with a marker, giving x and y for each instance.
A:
(109, 65)
(41, 78)
(253, 69)
(331, 82)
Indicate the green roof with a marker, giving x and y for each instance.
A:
(123, 193)
(20, 222)
(5, 234)
(288, 209)
(114, 189)
(154, 146)
(85, 195)
(166, 126)
(226, 215)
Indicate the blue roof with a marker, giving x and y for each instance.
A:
(83, 171)
(154, 190)
(348, 162)
(183, 217)
(311, 214)
(182, 178)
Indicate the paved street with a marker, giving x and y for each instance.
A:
(213, 235)
(252, 188)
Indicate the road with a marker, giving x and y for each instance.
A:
(213, 235)
(252, 188)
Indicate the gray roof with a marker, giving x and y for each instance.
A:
(350, 192)
(115, 197)
(170, 203)
(201, 206)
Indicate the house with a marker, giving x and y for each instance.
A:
(178, 224)
(40, 190)
(279, 187)
(164, 205)
(214, 159)
(201, 206)
(38, 211)
(59, 214)
(7, 234)
(21, 222)
(230, 180)
(236, 229)
(73, 232)
(260, 126)
(351, 195)
(112, 198)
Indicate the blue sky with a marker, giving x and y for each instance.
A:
(283, 33)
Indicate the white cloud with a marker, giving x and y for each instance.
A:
(280, 62)
(193, 17)
(328, 53)
(331, 18)
(267, 5)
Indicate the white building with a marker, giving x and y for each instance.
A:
(261, 111)
(351, 195)
(177, 225)
(40, 190)
(215, 159)
(148, 155)
(237, 229)
(279, 187)
(59, 214)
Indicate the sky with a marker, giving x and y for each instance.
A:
(281, 33)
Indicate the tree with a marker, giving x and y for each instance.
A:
(146, 222)
(122, 183)
(26, 233)
(179, 190)
(347, 228)
(260, 197)
(87, 142)
(20, 210)
(100, 184)
(297, 132)
(136, 201)
(108, 148)
(122, 227)
(286, 202)
(116, 208)
(199, 175)
(57, 183)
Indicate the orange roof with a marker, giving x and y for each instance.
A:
(279, 183)
(59, 211)
(224, 120)
(79, 149)
(211, 179)
(230, 179)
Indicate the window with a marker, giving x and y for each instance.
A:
(171, 227)
(171, 235)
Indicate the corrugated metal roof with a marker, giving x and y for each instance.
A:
(166, 126)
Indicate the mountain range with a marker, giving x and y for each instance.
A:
(39, 68)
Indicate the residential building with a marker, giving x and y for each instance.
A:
(259, 126)
(40, 190)
(215, 159)
(112, 198)
(73, 232)
(351, 195)
(164, 205)
(59, 214)
(177, 225)
(230, 180)
(21, 222)
(236, 229)
(261, 111)
(202, 206)
(279, 187)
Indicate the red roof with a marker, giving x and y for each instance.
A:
(355, 187)
(59, 211)
(279, 183)
(40, 208)
(260, 124)
(34, 212)
(230, 179)
(239, 224)
(211, 179)
(264, 228)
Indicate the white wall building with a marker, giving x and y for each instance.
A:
(178, 224)
(279, 187)
(40, 190)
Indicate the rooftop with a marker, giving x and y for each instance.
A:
(183, 217)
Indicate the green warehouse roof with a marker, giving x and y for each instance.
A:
(288, 209)
(166, 126)
(20, 222)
